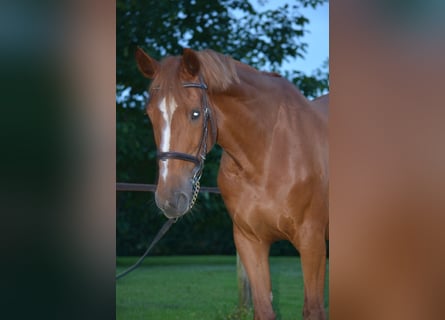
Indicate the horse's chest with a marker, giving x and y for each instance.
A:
(247, 204)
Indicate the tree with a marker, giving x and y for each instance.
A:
(233, 27)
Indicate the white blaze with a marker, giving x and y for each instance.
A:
(167, 111)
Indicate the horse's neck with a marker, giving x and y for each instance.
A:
(249, 111)
(239, 129)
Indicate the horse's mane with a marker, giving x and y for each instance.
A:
(218, 71)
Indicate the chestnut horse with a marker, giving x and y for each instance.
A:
(273, 174)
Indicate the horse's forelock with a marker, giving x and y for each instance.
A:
(167, 83)
(218, 72)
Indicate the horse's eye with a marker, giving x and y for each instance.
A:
(195, 114)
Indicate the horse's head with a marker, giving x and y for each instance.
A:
(182, 125)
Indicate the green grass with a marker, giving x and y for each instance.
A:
(200, 287)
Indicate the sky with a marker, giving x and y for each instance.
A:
(317, 36)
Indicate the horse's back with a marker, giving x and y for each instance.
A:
(321, 105)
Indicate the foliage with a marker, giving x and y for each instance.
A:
(232, 27)
(262, 39)
(313, 85)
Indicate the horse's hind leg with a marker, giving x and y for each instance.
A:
(312, 248)
(255, 257)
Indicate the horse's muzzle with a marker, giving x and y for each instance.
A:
(174, 206)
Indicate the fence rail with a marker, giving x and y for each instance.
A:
(124, 186)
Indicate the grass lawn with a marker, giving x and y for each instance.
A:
(201, 287)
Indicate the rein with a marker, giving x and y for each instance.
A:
(158, 237)
(200, 156)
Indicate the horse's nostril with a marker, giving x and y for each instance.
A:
(182, 201)
(179, 203)
(169, 205)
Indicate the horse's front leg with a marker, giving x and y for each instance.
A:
(254, 255)
(312, 248)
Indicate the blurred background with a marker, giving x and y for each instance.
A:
(58, 76)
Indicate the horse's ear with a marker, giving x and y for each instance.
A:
(146, 64)
(190, 62)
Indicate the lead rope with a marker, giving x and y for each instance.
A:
(162, 231)
(158, 237)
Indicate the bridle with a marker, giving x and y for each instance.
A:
(199, 158)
